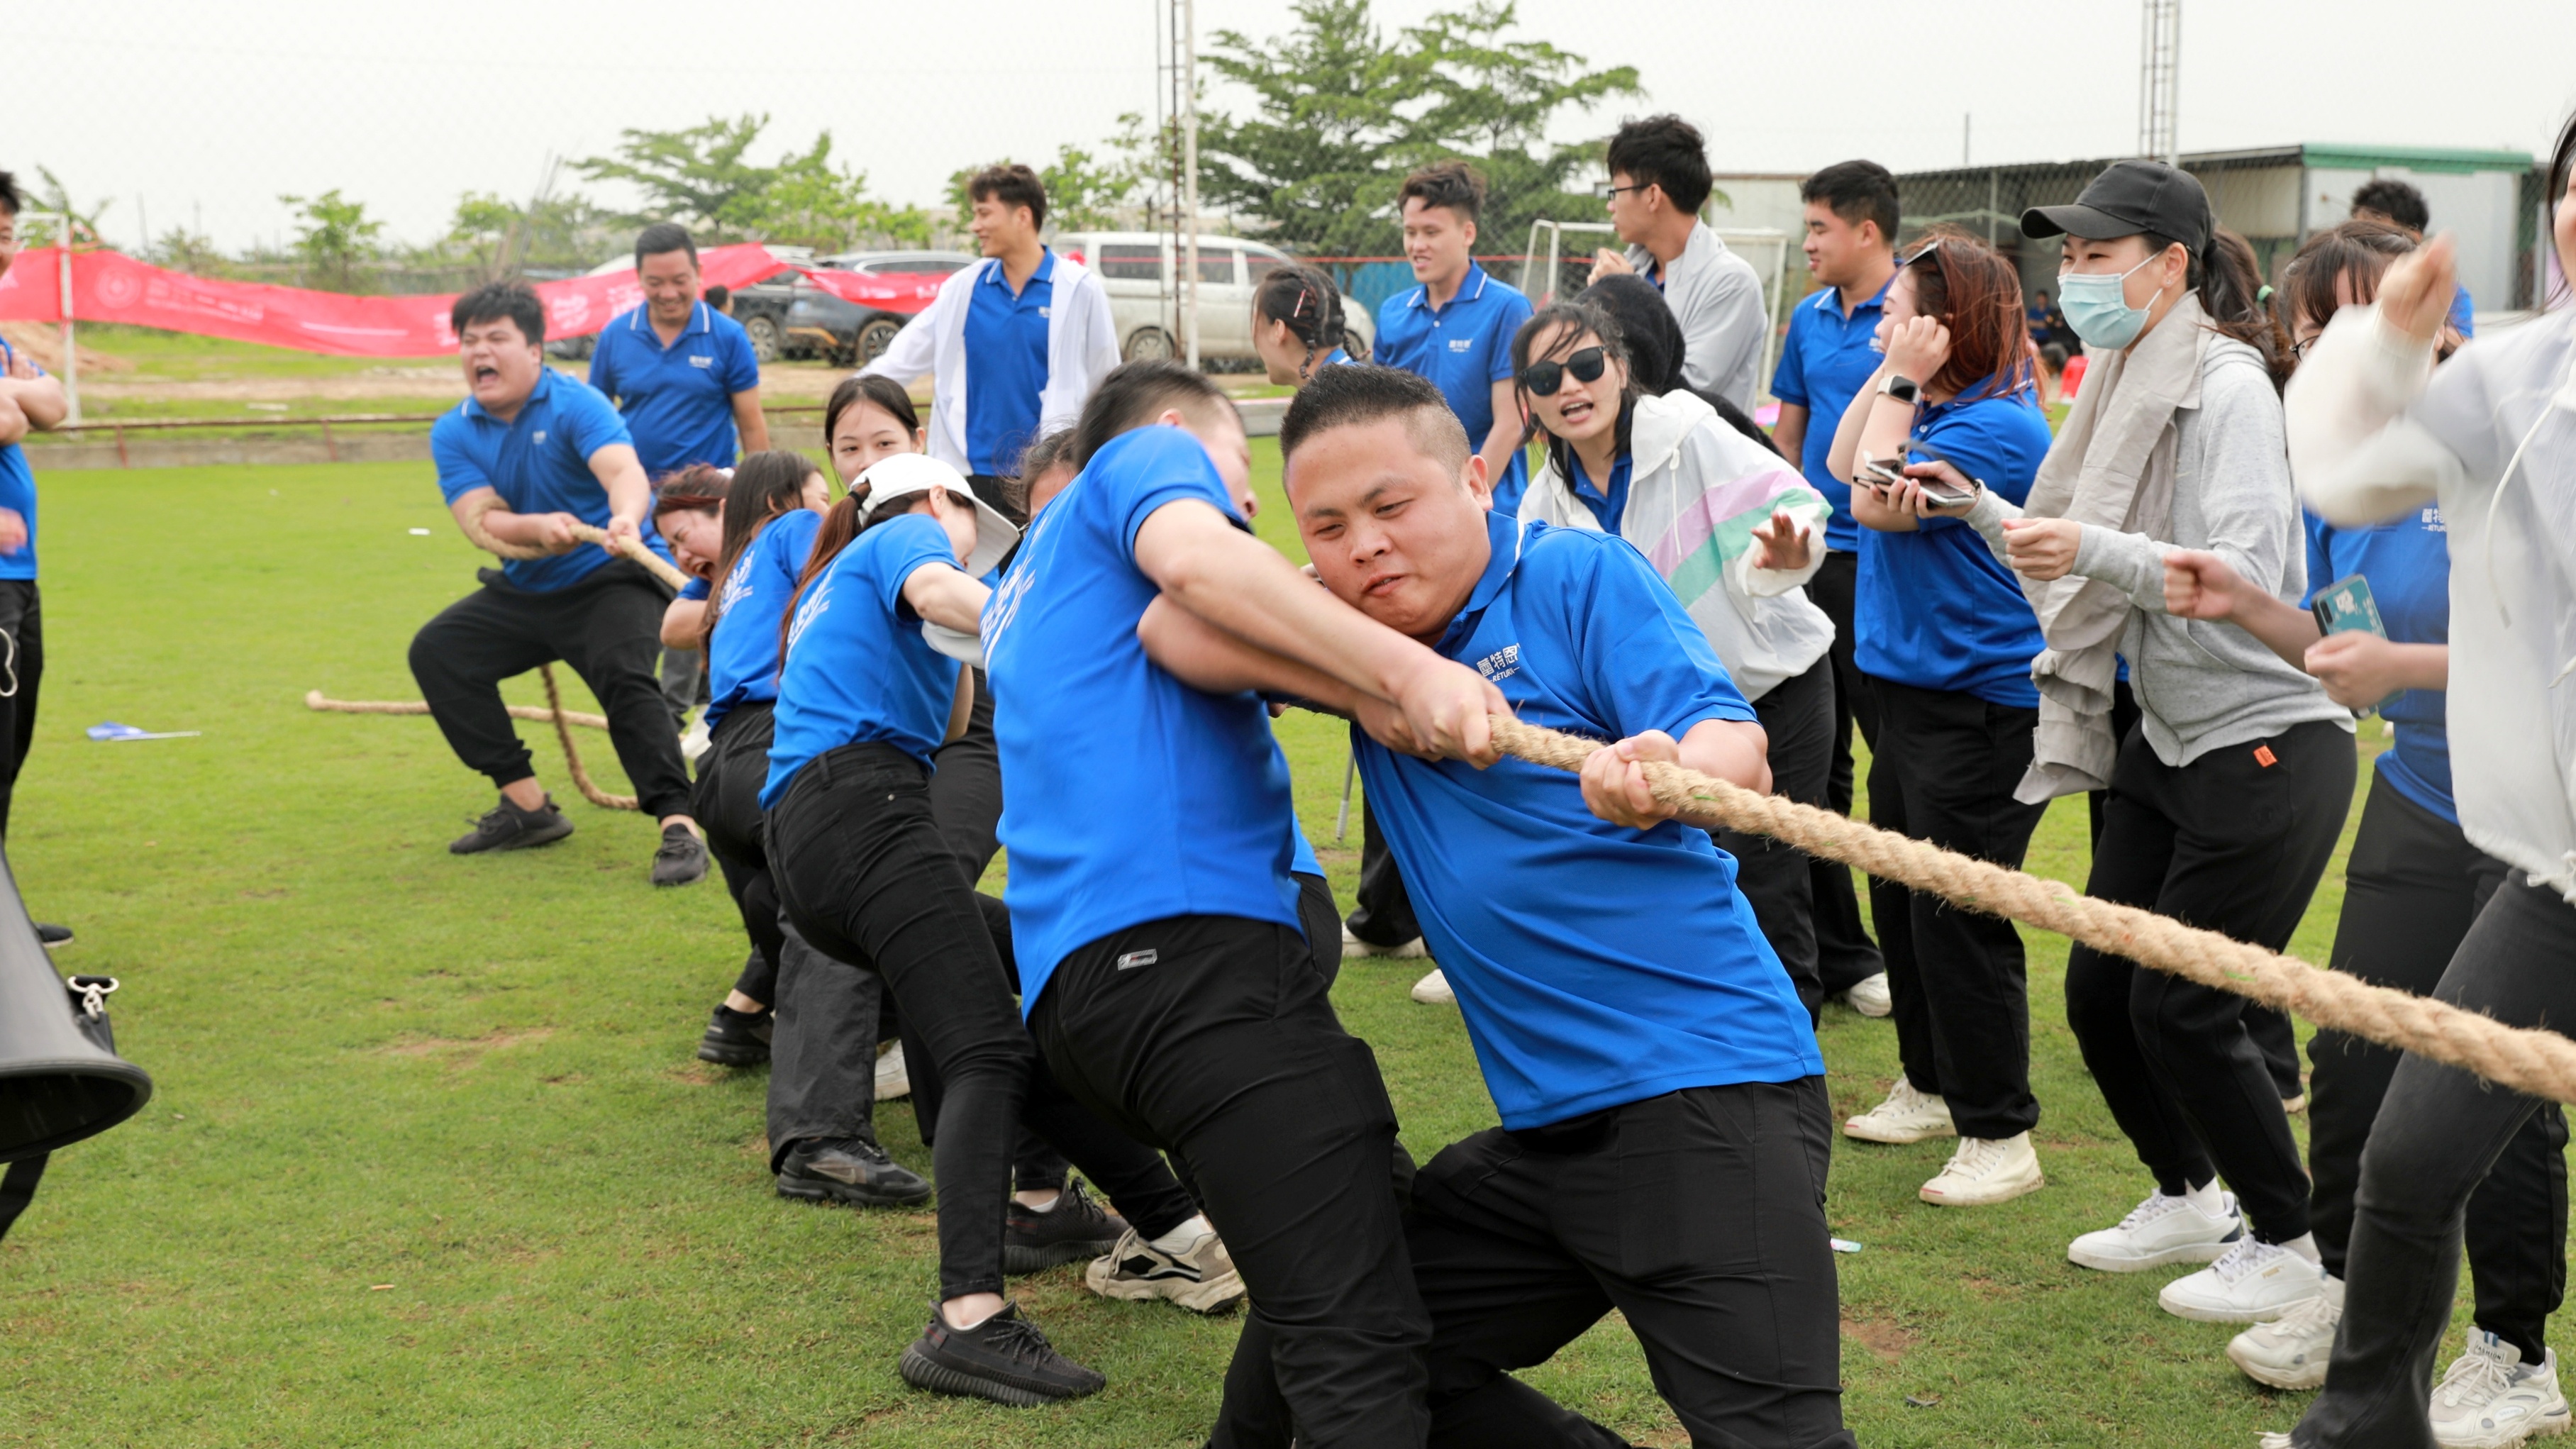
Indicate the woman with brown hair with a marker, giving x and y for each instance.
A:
(1945, 637)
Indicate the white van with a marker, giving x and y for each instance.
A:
(1136, 268)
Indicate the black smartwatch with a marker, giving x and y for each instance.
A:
(1900, 388)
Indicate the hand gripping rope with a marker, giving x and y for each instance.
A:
(2542, 1063)
(563, 719)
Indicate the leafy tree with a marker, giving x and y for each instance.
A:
(182, 250)
(811, 202)
(56, 198)
(335, 238)
(691, 176)
(1314, 158)
(1086, 189)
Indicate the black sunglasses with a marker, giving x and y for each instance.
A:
(1544, 378)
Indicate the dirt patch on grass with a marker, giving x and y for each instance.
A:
(1888, 1342)
(464, 1051)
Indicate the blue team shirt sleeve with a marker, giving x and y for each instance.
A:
(741, 368)
(458, 473)
(910, 543)
(1646, 664)
(2320, 556)
(1788, 375)
(1163, 465)
(694, 590)
(587, 418)
(603, 363)
(1990, 440)
(1514, 311)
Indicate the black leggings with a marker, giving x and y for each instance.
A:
(2439, 1132)
(727, 805)
(2233, 842)
(866, 877)
(1777, 879)
(2411, 890)
(22, 620)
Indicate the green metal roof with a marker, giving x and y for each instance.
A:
(2413, 158)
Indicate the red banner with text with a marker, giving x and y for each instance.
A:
(110, 287)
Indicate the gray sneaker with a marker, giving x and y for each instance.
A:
(682, 860)
(507, 827)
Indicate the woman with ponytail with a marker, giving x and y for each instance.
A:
(1297, 324)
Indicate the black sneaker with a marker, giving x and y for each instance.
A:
(682, 860)
(1004, 1358)
(736, 1039)
(507, 827)
(1076, 1228)
(53, 935)
(851, 1170)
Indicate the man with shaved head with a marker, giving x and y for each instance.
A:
(1665, 1126)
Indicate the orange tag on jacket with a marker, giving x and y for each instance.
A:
(2263, 756)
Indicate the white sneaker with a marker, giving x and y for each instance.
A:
(2290, 1352)
(892, 1079)
(1869, 996)
(1201, 1278)
(1906, 1116)
(1412, 950)
(697, 741)
(2252, 1282)
(1433, 990)
(1986, 1170)
(2275, 1439)
(2491, 1399)
(2158, 1231)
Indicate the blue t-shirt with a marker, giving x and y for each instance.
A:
(1132, 796)
(742, 652)
(1935, 608)
(2464, 313)
(695, 590)
(1825, 361)
(1464, 348)
(18, 491)
(539, 462)
(1607, 508)
(1006, 366)
(2408, 564)
(1594, 964)
(677, 400)
(857, 667)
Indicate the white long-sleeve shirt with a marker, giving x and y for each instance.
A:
(1717, 297)
(2375, 433)
(1082, 347)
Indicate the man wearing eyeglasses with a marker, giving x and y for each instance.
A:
(1659, 178)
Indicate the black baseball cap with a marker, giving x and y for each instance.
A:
(2126, 199)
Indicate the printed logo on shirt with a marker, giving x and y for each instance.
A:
(539, 437)
(1503, 663)
(2432, 521)
(738, 583)
(809, 611)
(697, 361)
(1043, 312)
(1004, 605)
(1461, 344)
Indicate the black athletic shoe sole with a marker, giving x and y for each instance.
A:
(1038, 1257)
(833, 1190)
(730, 1055)
(922, 1371)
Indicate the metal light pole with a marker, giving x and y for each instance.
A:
(1190, 180)
(2159, 96)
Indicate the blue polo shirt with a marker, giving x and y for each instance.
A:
(1824, 363)
(677, 400)
(1006, 365)
(1935, 608)
(539, 462)
(2408, 564)
(857, 667)
(18, 491)
(1595, 965)
(1464, 348)
(742, 650)
(1608, 508)
(2464, 315)
(1133, 796)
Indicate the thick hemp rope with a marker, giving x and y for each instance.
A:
(2542, 1063)
(562, 719)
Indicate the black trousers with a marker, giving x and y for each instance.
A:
(1776, 878)
(2233, 845)
(727, 806)
(2412, 888)
(2440, 1133)
(607, 627)
(1944, 772)
(22, 624)
(2271, 1029)
(867, 879)
(1211, 1037)
(1698, 1215)
(1381, 913)
(1845, 955)
(966, 788)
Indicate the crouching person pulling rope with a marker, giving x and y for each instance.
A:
(540, 469)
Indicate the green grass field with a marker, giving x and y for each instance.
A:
(431, 1161)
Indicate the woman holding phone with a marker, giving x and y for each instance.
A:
(1941, 628)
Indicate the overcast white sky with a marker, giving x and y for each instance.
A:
(187, 112)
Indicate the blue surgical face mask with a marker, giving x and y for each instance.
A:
(2097, 307)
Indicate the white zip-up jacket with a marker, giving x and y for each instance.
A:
(2375, 432)
(1717, 297)
(1696, 491)
(1082, 346)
